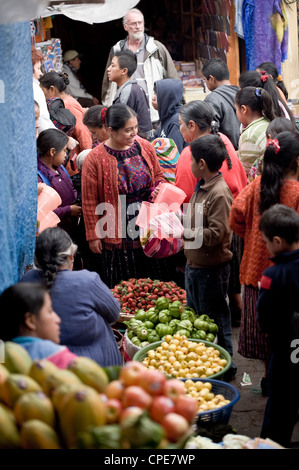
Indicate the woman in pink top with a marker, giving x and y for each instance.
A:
(196, 120)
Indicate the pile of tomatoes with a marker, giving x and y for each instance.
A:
(144, 292)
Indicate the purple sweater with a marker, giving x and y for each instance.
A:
(64, 186)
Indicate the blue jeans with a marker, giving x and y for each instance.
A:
(206, 290)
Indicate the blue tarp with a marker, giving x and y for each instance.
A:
(18, 163)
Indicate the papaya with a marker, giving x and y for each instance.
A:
(36, 434)
(84, 408)
(34, 405)
(90, 373)
(63, 392)
(9, 434)
(40, 369)
(17, 359)
(16, 385)
(58, 377)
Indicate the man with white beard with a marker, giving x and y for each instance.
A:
(153, 60)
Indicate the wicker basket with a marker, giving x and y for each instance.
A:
(222, 414)
(142, 354)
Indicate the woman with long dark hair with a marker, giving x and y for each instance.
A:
(84, 303)
(277, 184)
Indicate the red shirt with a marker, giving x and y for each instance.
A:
(235, 177)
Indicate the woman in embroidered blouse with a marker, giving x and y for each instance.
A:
(117, 176)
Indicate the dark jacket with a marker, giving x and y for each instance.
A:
(213, 199)
(169, 98)
(279, 299)
(222, 100)
(133, 95)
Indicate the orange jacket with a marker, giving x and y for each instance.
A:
(244, 221)
(81, 132)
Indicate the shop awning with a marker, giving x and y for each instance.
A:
(14, 11)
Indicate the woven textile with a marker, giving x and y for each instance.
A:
(18, 163)
(168, 155)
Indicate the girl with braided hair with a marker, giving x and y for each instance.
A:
(277, 184)
(83, 302)
(264, 80)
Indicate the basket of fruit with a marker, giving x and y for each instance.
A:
(181, 357)
(216, 399)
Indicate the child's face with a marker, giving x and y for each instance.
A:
(115, 73)
(59, 157)
(196, 168)
(155, 101)
(275, 246)
(47, 322)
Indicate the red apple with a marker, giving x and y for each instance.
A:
(152, 381)
(160, 407)
(175, 426)
(136, 396)
(113, 410)
(115, 389)
(173, 388)
(130, 413)
(129, 373)
(186, 406)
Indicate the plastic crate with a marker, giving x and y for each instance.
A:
(142, 354)
(222, 414)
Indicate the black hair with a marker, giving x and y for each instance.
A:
(93, 116)
(126, 60)
(280, 221)
(117, 115)
(52, 250)
(255, 78)
(280, 124)
(58, 80)
(210, 148)
(279, 160)
(272, 70)
(216, 67)
(51, 138)
(257, 99)
(203, 115)
(15, 302)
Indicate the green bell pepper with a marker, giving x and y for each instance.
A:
(185, 325)
(153, 337)
(210, 337)
(152, 315)
(149, 325)
(174, 324)
(176, 308)
(162, 329)
(142, 333)
(213, 328)
(183, 332)
(201, 324)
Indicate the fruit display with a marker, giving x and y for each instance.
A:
(89, 407)
(143, 293)
(206, 399)
(167, 318)
(179, 357)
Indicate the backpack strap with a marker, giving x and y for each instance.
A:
(61, 166)
(43, 178)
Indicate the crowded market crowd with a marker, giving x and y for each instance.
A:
(235, 154)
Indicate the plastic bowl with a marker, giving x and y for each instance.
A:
(222, 414)
(142, 354)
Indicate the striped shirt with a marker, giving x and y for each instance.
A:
(252, 142)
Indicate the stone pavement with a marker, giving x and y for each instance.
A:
(247, 414)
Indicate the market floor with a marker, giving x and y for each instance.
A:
(248, 412)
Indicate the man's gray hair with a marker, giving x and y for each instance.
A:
(133, 10)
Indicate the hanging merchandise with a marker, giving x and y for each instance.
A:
(51, 51)
(265, 23)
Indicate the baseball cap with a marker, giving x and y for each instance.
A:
(70, 55)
